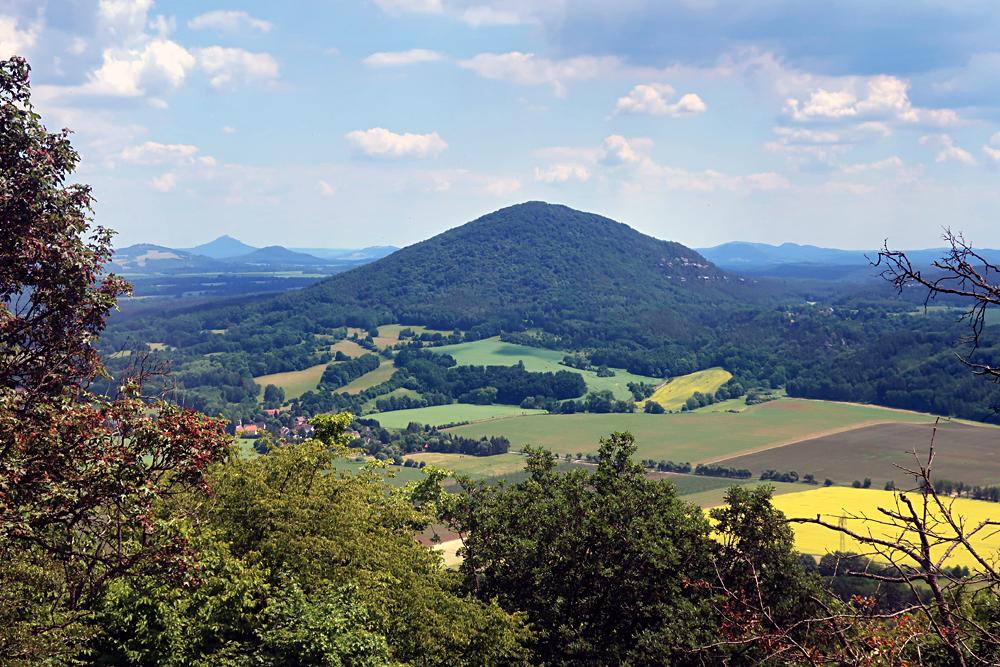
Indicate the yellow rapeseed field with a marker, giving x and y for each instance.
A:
(675, 393)
(834, 502)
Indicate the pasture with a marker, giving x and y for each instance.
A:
(494, 352)
(476, 467)
(962, 453)
(369, 380)
(673, 394)
(694, 437)
(834, 502)
(348, 347)
(295, 383)
(437, 415)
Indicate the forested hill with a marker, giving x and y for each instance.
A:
(533, 264)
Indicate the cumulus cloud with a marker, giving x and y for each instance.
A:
(230, 67)
(948, 151)
(503, 186)
(560, 173)
(527, 69)
(165, 183)
(992, 149)
(621, 150)
(651, 98)
(155, 153)
(893, 162)
(15, 40)
(159, 66)
(228, 21)
(484, 15)
(380, 142)
(400, 58)
(884, 97)
(397, 7)
(325, 188)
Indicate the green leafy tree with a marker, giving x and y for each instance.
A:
(610, 567)
(309, 566)
(80, 473)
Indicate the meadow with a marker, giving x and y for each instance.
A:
(675, 392)
(438, 415)
(962, 453)
(693, 437)
(494, 352)
(834, 502)
(295, 383)
(369, 380)
(477, 467)
(347, 347)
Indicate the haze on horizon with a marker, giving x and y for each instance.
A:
(318, 124)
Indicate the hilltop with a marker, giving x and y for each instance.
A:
(532, 264)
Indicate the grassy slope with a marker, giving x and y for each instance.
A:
(295, 383)
(473, 466)
(348, 347)
(675, 393)
(437, 415)
(835, 501)
(369, 380)
(689, 437)
(494, 352)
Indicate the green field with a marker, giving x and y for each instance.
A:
(369, 380)
(437, 415)
(675, 392)
(694, 437)
(295, 383)
(348, 347)
(476, 467)
(717, 496)
(494, 352)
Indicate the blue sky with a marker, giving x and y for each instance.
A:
(344, 124)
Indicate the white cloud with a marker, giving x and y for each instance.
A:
(380, 142)
(483, 15)
(948, 150)
(992, 149)
(397, 7)
(159, 66)
(229, 21)
(123, 21)
(15, 40)
(325, 188)
(620, 150)
(893, 162)
(527, 69)
(229, 129)
(884, 97)
(153, 152)
(400, 58)
(230, 67)
(165, 183)
(503, 187)
(560, 173)
(651, 98)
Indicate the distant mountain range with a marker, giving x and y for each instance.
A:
(792, 260)
(229, 255)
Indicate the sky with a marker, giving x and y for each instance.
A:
(383, 122)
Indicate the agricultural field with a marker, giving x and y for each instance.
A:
(295, 383)
(369, 380)
(437, 415)
(348, 347)
(476, 467)
(962, 453)
(834, 502)
(697, 437)
(494, 352)
(673, 394)
(388, 334)
(717, 496)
